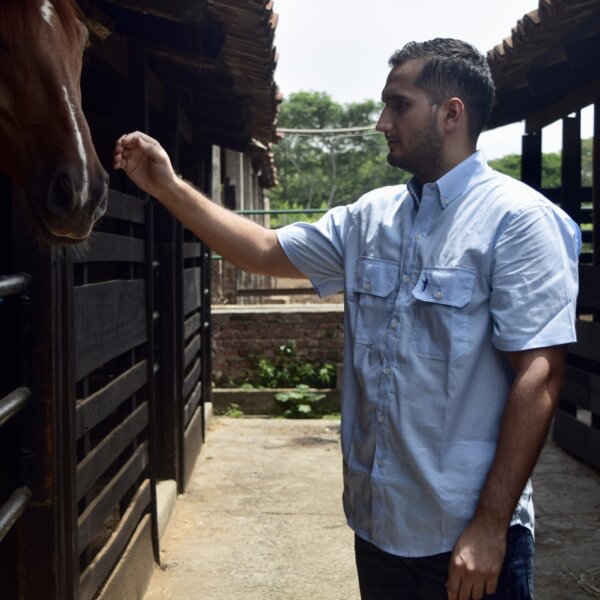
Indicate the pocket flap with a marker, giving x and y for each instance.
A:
(452, 286)
(375, 276)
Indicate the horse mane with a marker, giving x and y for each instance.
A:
(17, 17)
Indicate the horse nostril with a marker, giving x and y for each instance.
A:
(62, 197)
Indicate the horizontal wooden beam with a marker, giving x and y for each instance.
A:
(109, 319)
(95, 515)
(571, 101)
(95, 408)
(97, 571)
(101, 457)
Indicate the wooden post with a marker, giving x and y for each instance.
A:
(596, 184)
(571, 166)
(45, 539)
(531, 159)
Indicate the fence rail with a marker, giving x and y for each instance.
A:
(14, 284)
(12, 509)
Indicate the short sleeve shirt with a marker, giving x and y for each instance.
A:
(435, 289)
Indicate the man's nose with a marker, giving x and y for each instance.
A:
(382, 123)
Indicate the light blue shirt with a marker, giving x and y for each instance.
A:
(434, 291)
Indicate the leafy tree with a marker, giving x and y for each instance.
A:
(509, 165)
(324, 170)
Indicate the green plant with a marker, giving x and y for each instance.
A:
(233, 410)
(285, 369)
(300, 403)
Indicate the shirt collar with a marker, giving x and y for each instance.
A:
(456, 181)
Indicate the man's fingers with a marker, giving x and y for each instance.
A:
(453, 584)
(478, 590)
(490, 585)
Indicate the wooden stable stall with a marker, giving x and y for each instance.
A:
(105, 367)
(548, 70)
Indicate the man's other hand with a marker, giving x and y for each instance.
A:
(475, 563)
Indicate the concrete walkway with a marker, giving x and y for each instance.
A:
(262, 519)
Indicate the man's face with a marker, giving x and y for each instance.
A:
(409, 122)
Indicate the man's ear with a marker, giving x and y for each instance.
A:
(453, 113)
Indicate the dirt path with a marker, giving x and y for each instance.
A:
(263, 520)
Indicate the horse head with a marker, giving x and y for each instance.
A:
(45, 141)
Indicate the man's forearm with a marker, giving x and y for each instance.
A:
(246, 244)
(527, 417)
(478, 554)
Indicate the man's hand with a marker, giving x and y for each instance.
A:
(145, 162)
(476, 562)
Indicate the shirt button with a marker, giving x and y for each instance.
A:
(418, 236)
(394, 324)
(406, 279)
(367, 286)
(387, 371)
(380, 463)
(437, 295)
(444, 202)
(380, 418)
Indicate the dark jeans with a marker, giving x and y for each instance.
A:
(383, 576)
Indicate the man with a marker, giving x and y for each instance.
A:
(460, 295)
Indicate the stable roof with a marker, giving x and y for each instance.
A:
(548, 66)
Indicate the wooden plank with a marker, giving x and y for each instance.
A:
(93, 409)
(96, 513)
(192, 445)
(109, 319)
(192, 325)
(97, 571)
(577, 387)
(191, 379)
(574, 100)
(101, 457)
(132, 574)
(588, 340)
(191, 351)
(110, 247)
(191, 289)
(125, 207)
(579, 439)
(589, 286)
(192, 403)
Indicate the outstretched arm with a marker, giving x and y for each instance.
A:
(478, 555)
(241, 241)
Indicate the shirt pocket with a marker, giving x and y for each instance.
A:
(374, 283)
(441, 320)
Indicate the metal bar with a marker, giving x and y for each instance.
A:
(287, 211)
(14, 284)
(276, 291)
(12, 509)
(14, 402)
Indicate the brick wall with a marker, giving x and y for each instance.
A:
(238, 331)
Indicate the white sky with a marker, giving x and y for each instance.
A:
(342, 47)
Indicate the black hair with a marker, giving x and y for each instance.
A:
(453, 68)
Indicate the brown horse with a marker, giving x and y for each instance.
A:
(45, 142)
